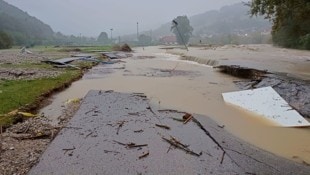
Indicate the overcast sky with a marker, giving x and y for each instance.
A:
(90, 17)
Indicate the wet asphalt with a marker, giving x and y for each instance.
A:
(120, 133)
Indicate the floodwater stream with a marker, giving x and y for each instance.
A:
(190, 87)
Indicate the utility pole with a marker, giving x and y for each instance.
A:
(151, 34)
(111, 33)
(137, 31)
(80, 38)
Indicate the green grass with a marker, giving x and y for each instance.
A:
(93, 48)
(18, 93)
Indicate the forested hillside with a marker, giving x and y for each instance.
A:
(229, 19)
(224, 26)
(21, 27)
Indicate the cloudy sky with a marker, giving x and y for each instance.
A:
(90, 17)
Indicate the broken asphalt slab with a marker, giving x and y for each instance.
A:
(118, 133)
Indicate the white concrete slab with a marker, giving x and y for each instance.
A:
(267, 103)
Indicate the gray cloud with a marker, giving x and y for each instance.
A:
(90, 17)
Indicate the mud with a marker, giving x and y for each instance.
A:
(117, 133)
(165, 73)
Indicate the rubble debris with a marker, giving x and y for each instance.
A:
(178, 142)
(181, 146)
(120, 124)
(138, 131)
(130, 145)
(178, 119)
(242, 72)
(144, 155)
(171, 110)
(65, 62)
(221, 126)
(187, 117)
(107, 151)
(62, 61)
(291, 89)
(149, 108)
(22, 144)
(24, 50)
(69, 149)
(74, 100)
(110, 55)
(26, 114)
(163, 126)
(123, 48)
(126, 48)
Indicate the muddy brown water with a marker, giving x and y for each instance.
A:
(190, 87)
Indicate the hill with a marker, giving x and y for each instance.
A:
(229, 20)
(23, 28)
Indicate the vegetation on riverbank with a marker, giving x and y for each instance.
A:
(29, 94)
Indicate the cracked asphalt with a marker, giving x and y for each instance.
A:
(121, 133)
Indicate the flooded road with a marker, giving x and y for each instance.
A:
(190, 87)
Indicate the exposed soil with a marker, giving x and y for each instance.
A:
(22, 144)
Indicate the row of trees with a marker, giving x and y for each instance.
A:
(290, 18)
(6, 41)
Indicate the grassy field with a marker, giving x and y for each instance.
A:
(15, 94)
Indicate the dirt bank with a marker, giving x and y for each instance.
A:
(22, 144)
(293, 63)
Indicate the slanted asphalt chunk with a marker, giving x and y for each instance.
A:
(121, 137)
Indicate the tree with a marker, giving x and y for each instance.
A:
(291, 22)
(5, 41)
(103, 38)
(182, 29)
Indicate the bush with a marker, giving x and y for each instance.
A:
(305, 42)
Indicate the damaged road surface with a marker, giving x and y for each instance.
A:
(118, 133)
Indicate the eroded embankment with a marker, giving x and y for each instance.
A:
(294, 91)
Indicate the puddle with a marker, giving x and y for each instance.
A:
(194, 94)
